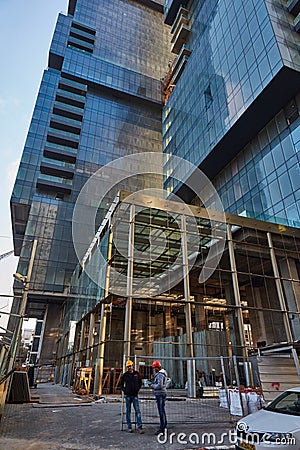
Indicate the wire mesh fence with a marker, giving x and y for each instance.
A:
(198, 404)
(180, 410)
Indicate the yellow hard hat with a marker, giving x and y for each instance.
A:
(129, 363)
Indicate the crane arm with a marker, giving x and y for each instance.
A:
(5, 255)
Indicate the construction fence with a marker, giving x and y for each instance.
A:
(216, 389)
(199, 390)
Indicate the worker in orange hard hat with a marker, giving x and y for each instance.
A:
(156, 364)
(131, 383)
(159, 387)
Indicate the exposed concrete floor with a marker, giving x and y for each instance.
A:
(59, 420)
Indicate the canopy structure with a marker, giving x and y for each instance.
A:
(163, 278)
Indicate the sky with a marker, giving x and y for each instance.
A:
(26, 29)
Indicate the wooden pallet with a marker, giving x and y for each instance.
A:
(83, 378)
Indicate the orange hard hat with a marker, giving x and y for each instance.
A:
(156, 364)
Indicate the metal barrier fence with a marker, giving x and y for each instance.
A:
(203, 389)
(216, 389)
(207, 401)
(179, 410)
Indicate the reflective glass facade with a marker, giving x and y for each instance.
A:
(232, 103)
(263, 181)
(231, 108)
(99, 99)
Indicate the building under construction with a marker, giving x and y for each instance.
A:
(166, 280)
(161, 277)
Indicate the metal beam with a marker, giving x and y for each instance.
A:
(236, 290)
(128, 311)
(103, 319)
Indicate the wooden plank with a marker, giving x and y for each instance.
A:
(277, 374)
(278, 370)
(275, 361)
(288, 377)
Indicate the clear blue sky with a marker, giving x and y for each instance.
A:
(26, 29)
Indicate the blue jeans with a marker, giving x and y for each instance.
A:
(160, 401)
(131, 400)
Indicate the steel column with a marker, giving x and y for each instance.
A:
(128, 311)
(105, 309)
(236, 290)
(188, 310)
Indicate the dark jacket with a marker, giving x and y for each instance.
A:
(131, 383)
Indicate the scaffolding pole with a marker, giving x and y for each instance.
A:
(128, 311)
(188, 311)
(105, 309)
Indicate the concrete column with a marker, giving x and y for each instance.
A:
(231, 326)
(228, 335)
(279, 289)
(170, 322)
(291, 288)
(200, 316)
(257, 319)
(47, 344)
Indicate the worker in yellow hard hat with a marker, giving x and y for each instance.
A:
(129, 363)
(131, 383)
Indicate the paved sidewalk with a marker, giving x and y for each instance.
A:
(58, 420)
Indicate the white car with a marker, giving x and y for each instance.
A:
(276, 427)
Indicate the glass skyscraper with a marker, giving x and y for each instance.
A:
(99, 99)
(231, 107)
(232, 102)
